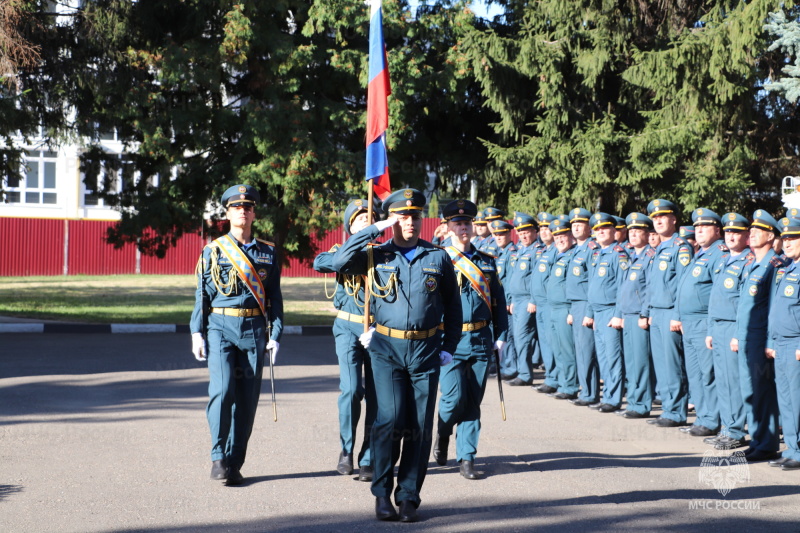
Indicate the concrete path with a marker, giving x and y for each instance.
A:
(107, 433)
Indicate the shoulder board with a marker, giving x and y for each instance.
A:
(650, 252)
(723, 247)
(776, 261)
(335, 247)
(592, 245)
(749, 258)
(680, 241)
(618, 248)
(266, 242)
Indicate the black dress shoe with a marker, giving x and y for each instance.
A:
(595, 406)
(756, 456)
(633, 414)
(517, 382)
(384, 510)
(507, 377)
(667, 423)
(440, 449)
(580, 403)
(791, 464)
(565, 396)
(365, 473)
(234, 477)
(778, 462)
(713, 440)
(546, 389)
(656, 402)
(608, 408)
(468, 470)
(345, 466)
(408, 511)
(701, 431)
(729, 443)
(219, 470)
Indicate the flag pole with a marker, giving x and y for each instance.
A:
(368, 280)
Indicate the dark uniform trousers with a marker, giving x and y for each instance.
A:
(353, 358)
(235, 361)
(639, 376)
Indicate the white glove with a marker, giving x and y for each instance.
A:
(500, 346)
(272, 349)
(366, 337)
(199, 346)
(445, 358)
(388, 223)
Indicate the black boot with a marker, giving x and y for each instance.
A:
(408, 511)
(384, 510)
(219, 470)
(468, 470)
(345, 466)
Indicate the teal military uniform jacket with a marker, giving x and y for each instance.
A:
(474, 309)
(673, 257)
(263, 257)
(732, 273)
(754, 299)
(415, 296)
(608, 267)
(632, 295)
(694, 287)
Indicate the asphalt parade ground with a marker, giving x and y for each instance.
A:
(107, 432)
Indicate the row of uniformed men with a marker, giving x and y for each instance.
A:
(682, 317)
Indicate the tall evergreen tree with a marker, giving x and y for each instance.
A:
(607, 104)
(210, 93)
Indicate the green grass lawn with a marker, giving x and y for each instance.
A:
(142, 299)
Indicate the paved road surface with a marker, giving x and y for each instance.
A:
(108, 433)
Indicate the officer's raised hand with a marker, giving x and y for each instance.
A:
(199, 346)
(390, 221)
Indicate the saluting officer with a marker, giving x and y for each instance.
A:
(414, 289)
(563, 342)
(505, 261)
(632, 303)
(609, 264)
(694, 290)
(577, 282)
(523, 320)
(673, 256)
(756, 372)
(238, 291)
(782, 344)
(355, 370)
(541, 307)
(483, 308)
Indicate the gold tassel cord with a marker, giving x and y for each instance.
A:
(377, 290)
(335, 288)
(226, 288)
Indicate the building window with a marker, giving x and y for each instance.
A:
(38, 184)
(113, 178)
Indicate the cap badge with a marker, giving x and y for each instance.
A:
(242, 188)
(634, 216)
(656, 202)
(409, 203)
(358, 203)
(758, 213)
(408, 193)
(732, 217)
(242, 196)
(460, 203)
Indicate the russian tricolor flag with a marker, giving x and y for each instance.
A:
(377, 106)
